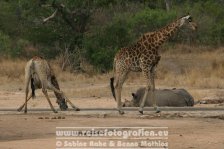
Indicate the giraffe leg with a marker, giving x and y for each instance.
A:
(27, 81)
(118, 98)
(152, 91)
(145, 72)
(142, 104)
(118, 88)
(150, 88)
(25, 110)
(21, 107)
(46, 95)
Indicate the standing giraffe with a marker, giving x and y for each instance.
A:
(143, 56)
(40, 74)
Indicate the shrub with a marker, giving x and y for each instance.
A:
(5, 43)
(103, 43)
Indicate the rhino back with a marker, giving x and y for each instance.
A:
(186, 95)
(167, 97)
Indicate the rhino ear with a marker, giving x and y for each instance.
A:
(133, 95)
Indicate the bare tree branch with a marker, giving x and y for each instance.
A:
(51, 16)
(66, 57)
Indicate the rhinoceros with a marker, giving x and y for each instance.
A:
(164, 97)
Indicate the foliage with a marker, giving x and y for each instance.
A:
(100, 27)
(5, 43)
(102, 44)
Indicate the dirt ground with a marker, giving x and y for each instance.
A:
(198, 129)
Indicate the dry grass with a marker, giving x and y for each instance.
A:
(195, 69)
(189, 69)
(11, 70)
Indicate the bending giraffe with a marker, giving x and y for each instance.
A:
(39, 73)
(143, 56)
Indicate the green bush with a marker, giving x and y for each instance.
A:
(103, 43)
(149, 20)
(12, 48)
(209, 15)
(112, 24)
(5, 43)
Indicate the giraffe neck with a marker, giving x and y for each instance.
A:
(165, 33)
(152, 40)
(55, 84)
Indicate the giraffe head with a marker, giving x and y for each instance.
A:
(62, 104)
(187, 19)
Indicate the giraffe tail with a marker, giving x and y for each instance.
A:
(32, 79)
(32, 88)
(112, 87)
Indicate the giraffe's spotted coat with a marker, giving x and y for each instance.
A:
(143, 56)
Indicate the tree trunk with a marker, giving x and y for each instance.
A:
(168, 5)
